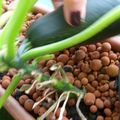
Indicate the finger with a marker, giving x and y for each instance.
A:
(74, 11)
(57, 3)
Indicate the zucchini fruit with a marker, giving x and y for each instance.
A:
(52, 27)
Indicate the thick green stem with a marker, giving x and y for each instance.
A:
(13, 26)
(95, 28)
(10, 89)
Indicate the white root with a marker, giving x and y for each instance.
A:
(43, 84)
(50, 109)
(59, 100)
(77, 107)
(63, 107)
(37, 103)
(46, 91)
(34, 83)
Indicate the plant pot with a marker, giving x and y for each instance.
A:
(15, 109)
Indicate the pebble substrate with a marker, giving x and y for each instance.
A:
(93, 66)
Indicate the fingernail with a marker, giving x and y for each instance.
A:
(75, 18)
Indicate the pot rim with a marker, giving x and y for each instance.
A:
(15, 109)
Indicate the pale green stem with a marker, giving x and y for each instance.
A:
(1, 6)
(13, 26)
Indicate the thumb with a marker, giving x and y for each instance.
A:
(74, 11)
(57, 3)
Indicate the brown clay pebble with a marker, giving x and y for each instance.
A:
(41, 111)
(107, 112)
(105, 94)
(94, 55)
(77, 83)
(90, 88)
(91, 48)
(21, 83)
(63, 58)
(97, 93)
(105, 60)
(91, 77)
(79, 55)
(89, 99)
(71, 102)
(99, 103)
(70, 62)
(12, 71)
(100, 117)
(116, 117)
(68, 68)
(96, 64)
(82, 75)
(32, 91)
(100, 77)
(113, 56)
(112, 84)
(27, 81)
(104, 87)
(83, 48)
(112, 70)
(76, 72)
(85, 68)
(28, 104)
(50, 63)
(98, 44)
(104, 54)
(106, 47)
(5, 83)
(5, 77)
(35, 96)
(111, 93)
(71, 79)
(93, 109)
(27, 76)
(116, 103)
(36, 109)
(22, 99)
(108, 118)
(58, 112)
(84, 81)
(94, 83)
(65, 118)
(107, 103)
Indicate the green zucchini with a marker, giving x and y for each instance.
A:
(52, 28)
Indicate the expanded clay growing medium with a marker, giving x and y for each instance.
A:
(93, 66)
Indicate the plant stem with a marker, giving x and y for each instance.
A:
(95, 28)
(61, 85)
(13, 26)
(1, 6)
(10, 89)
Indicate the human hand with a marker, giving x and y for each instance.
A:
(74, 10)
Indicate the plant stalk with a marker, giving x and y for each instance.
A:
(13, 27)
